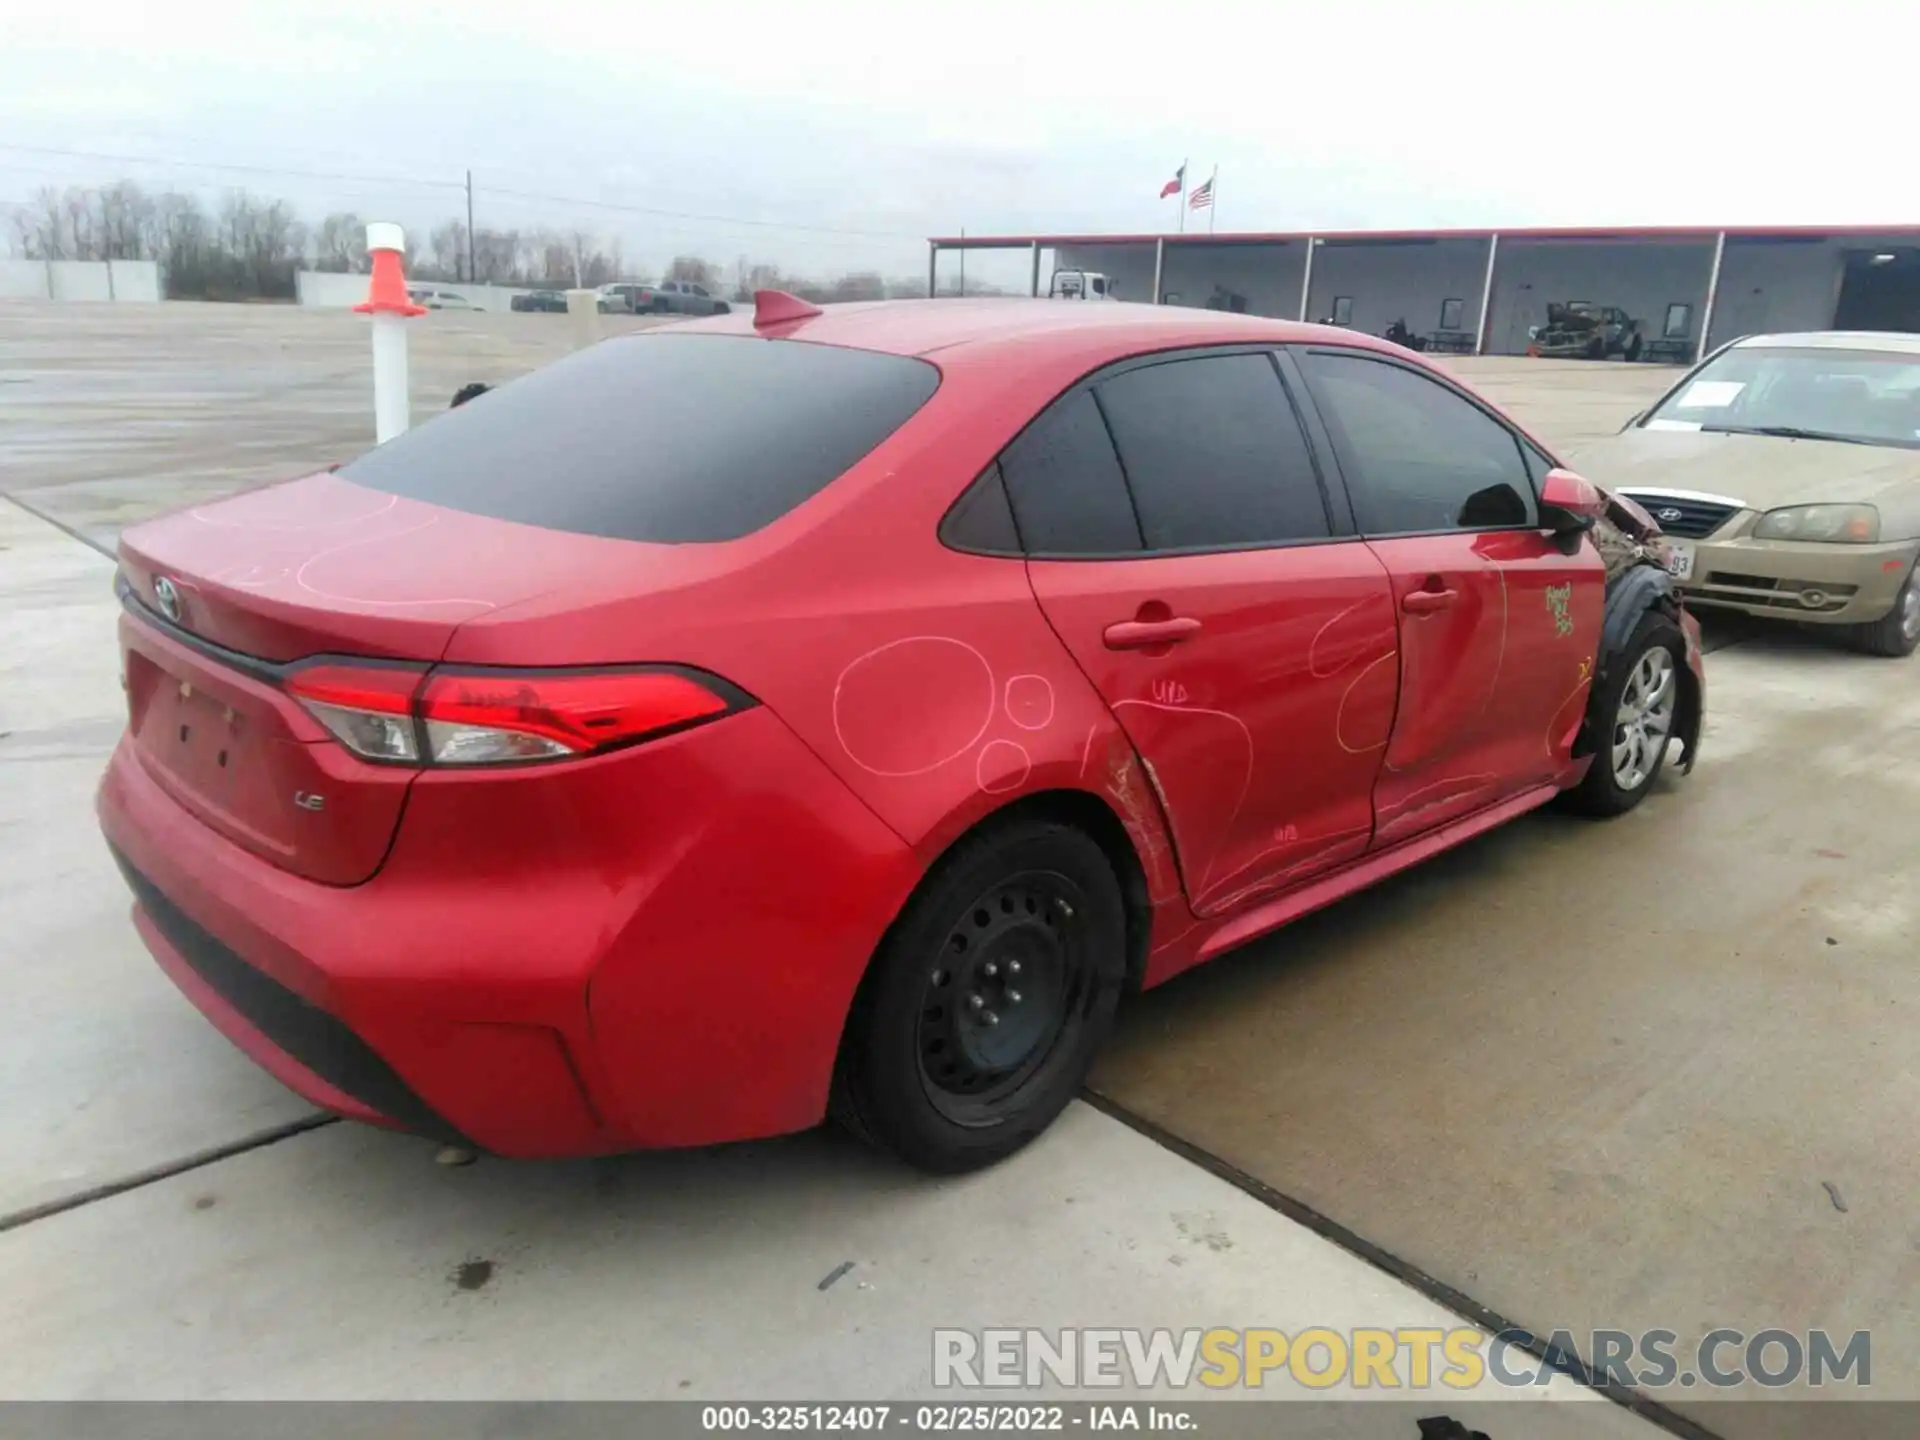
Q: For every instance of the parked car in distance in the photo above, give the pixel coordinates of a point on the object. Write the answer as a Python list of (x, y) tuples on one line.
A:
[(440, 299), (1788, 469), (552, 302), (618, 299), (856, 755), (1579, 330), (669, 297)]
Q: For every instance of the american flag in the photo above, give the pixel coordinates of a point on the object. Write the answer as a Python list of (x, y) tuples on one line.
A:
[(1202, 196)]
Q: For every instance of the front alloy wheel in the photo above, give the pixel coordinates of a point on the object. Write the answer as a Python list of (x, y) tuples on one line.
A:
[(1643, 722), (1631, 717)]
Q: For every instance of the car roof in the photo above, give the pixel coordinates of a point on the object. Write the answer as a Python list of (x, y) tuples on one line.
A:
[(1039, 332), (1890, 342)]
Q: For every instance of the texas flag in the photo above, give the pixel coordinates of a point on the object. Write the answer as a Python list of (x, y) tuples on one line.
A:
[(1177, 183)]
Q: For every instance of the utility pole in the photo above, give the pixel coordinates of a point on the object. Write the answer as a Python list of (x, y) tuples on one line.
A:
[(963, 262), (470, 274)]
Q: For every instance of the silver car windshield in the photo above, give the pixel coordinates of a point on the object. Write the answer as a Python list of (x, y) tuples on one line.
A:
[(1864, 396)]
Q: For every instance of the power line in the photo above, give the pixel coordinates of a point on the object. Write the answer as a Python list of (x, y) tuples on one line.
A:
[(687, 215), (573, 200), (280, 171)]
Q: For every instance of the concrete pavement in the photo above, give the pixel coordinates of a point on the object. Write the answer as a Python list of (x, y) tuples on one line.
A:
[(104, 1067)]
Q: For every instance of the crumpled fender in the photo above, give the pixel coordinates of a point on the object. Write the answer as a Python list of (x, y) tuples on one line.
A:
[(1630, 595)]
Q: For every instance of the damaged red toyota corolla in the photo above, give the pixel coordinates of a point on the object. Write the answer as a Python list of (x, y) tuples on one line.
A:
[(850, 726)]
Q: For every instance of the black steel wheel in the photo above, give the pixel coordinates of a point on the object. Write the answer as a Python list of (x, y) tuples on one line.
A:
[(984, 1007)]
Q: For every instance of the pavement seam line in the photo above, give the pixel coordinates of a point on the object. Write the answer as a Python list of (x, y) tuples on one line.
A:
[(154, 1174), (1432, 1287), (65, 529)]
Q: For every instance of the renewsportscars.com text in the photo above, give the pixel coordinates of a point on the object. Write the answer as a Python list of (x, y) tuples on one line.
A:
[(1398, 1359)]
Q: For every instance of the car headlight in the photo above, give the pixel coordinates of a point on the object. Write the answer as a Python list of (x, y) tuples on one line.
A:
[(1833, 524)]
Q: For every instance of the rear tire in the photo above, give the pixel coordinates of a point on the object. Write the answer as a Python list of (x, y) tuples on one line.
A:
[(1632, 716), (723, 308), (987, 1001), (1895, 634)]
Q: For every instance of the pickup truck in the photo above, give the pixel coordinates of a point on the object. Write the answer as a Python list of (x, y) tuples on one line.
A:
[(669, 297)]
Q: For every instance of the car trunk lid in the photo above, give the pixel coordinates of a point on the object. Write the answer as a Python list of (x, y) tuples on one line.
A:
[(229, 603)]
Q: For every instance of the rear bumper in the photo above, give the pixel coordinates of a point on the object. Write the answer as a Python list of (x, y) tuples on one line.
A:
[(1820, 584), (544, 967), (305, 1048)]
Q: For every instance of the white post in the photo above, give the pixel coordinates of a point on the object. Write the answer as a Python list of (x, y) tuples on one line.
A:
[(583, 313), (1159, 262), (1713, 294), (1486, 296), (1306, 278), (1034, 290), (392, 394), (389, 305)]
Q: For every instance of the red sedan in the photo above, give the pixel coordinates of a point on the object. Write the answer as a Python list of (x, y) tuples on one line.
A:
[(836, 713)]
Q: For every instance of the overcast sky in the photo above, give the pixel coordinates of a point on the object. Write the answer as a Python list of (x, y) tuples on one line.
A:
[(897, 121)]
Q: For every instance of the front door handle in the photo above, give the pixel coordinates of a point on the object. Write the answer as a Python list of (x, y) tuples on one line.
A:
[(1140, 634), (1425, 602)]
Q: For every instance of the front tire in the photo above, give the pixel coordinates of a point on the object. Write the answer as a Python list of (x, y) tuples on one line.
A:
[(987, 1001), (1897, 633), (1632, 717)]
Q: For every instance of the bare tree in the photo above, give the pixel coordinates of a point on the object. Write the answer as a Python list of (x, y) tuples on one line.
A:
[(249, 246), (124, 222), (694, 271), (862, 285), (446, 257), (40, 227), (340, 244)]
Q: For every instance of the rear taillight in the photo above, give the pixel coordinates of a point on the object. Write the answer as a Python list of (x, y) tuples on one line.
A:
[(493, 717), (367, 708)]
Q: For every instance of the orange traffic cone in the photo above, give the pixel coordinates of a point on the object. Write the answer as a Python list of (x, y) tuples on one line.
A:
[(387, 294)]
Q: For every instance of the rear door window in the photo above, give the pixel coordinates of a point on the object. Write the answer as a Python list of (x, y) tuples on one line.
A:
[(1064, 481), (661, 438), (1214, 454)]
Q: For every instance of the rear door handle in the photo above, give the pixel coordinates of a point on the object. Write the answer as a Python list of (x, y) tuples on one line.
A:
[(1139, 634), (1425, 602)]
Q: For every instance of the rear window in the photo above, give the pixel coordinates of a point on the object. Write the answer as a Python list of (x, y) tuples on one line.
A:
[(667, 439)]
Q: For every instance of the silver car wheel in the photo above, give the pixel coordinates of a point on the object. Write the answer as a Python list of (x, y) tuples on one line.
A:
[(1910, 611), (1644, 722)]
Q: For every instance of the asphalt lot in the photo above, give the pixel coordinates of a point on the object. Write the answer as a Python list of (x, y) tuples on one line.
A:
[(1585, 1075)]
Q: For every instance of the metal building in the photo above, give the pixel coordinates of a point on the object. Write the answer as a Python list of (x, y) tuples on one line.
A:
[(1483, 292)]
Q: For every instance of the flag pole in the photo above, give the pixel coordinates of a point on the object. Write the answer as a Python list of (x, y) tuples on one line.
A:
[(1213, 198), (1182, 201)]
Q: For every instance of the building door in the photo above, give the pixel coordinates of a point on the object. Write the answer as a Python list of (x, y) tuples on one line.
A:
[(1880, 293)]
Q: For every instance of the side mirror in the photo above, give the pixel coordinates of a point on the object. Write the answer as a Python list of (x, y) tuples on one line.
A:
[(1572, 502)]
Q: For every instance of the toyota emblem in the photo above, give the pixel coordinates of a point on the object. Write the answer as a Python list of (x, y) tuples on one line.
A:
[(167, 598), (1669, 514)]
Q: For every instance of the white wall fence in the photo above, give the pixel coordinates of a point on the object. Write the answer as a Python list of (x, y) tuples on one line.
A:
[(100, 280), (333, 291)]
